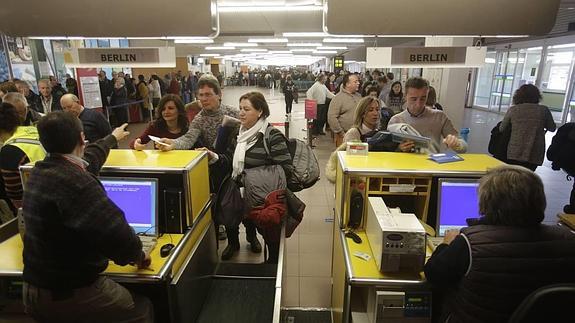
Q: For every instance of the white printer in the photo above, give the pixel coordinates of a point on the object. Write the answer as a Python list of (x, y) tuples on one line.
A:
[(397, 239)]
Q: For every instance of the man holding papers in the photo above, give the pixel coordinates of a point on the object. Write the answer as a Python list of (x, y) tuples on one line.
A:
[(428, 122)]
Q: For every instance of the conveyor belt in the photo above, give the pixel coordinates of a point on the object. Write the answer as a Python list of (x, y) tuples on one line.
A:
[(239, 300)]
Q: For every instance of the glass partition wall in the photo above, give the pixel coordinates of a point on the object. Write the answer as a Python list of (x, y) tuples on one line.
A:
[(505, 70)]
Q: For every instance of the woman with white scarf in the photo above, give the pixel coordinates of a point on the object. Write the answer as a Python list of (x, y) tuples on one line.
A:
[(246, 150)]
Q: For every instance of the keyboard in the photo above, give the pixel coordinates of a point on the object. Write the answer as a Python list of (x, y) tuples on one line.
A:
[(148, 243), (433, 242)]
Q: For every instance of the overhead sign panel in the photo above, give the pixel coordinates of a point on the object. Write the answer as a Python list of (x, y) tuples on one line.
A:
[(441, 17), (109, 18), (378, 57), (121, 57)]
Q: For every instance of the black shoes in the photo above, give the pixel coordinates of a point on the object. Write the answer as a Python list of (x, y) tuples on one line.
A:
[(255, 245), (230, 250), (222, 233)]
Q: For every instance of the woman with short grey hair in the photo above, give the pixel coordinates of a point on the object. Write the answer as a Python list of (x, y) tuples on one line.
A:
[(484, 272)]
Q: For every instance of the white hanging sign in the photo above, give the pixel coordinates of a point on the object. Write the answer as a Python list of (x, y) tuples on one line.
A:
[(436, 57), (121, 57)]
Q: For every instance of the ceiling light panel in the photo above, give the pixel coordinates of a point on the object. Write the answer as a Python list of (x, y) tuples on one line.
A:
[(241, 44), (325, 52), (267, 8), (329, 47), (304, 44), (194, 41), (253, 50), (267, 40), (343, 40), (219, 48)]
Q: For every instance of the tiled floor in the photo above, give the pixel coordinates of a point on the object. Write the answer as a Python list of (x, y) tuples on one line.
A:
[(309, 249)]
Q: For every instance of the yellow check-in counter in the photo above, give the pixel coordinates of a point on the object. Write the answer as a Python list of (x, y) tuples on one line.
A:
[(403, 180), (175, 284)]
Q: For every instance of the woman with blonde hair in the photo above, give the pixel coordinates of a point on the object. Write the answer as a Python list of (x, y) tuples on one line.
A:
[(365, 125)]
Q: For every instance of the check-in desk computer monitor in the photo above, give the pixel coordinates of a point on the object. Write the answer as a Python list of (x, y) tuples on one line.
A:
[(457, 202), (138, 198)]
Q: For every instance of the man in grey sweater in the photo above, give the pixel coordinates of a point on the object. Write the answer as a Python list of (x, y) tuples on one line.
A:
[(428, 122), (204, 128), (342, 107)]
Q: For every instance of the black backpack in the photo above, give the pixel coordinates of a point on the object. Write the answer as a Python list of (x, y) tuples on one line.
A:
[(562, 150), (499, 141)]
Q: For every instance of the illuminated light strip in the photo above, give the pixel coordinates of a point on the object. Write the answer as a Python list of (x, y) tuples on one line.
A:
[(252, 8)]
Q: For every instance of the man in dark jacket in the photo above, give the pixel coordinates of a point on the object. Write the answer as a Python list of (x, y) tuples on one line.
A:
[(57, 89), (32, 98), (47, 102), (72, 231), (106, 88), (94, 123)]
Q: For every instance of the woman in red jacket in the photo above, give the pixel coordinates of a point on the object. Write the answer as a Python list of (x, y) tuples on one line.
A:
[(171, 122)]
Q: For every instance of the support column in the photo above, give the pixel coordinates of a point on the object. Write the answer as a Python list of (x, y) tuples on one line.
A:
[(449, 83)]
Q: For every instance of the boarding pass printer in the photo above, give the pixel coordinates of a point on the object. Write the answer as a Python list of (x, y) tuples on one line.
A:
[(397, 239)]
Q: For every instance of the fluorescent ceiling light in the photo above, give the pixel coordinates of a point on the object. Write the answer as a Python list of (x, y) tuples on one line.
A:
[(251, 7), (562, 46), (330, 47), (308, 50), (280, 52), (267, 40), (241, 44), (219, 48), (321, 34), (209, 55), (325, 52), (306, 34), (304, 44), (194, 41), (253, 50), (343, 40), (348, 62)]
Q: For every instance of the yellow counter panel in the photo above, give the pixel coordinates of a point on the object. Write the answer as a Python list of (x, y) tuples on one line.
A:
[(128, 158), (12, 263), (388, 162)]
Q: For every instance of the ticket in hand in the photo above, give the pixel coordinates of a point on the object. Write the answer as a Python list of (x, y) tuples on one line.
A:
[(157, 140)]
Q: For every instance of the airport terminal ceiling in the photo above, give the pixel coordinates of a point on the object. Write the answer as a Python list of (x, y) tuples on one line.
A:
[(301, 26)]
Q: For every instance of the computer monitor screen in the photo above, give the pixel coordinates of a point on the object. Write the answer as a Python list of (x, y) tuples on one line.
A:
[(457, 202), (138, 198)]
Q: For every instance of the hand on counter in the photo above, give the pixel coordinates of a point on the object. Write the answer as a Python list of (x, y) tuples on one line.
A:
[(145, 262), (138, 145)]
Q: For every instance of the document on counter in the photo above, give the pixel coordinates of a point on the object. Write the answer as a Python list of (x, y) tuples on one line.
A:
[(446, 157)]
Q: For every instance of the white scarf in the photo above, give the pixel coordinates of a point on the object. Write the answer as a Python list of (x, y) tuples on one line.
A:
[(246, 139)]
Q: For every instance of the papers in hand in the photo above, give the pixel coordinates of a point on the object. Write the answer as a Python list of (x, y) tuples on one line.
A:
[(157, 140)]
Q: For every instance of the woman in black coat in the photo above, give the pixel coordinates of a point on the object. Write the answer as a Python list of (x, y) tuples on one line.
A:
[(288, 90)]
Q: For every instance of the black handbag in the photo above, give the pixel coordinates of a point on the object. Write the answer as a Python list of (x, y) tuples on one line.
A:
[(499, 141), (230, 206)]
